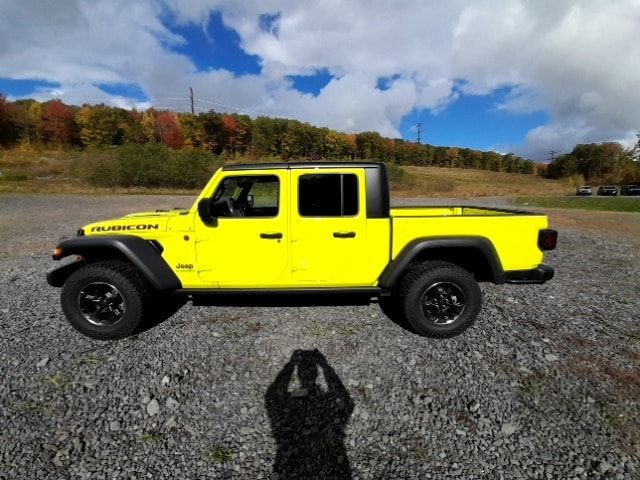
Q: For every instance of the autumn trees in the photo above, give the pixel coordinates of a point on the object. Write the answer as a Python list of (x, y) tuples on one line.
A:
[(8, 124), (607, 162), (54, 124)]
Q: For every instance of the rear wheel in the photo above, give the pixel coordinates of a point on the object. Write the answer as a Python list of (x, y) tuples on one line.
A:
[(439, 299), (105, 300)]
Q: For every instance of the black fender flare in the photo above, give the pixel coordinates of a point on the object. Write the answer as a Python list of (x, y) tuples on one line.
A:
[(139, 252), (399, 265)]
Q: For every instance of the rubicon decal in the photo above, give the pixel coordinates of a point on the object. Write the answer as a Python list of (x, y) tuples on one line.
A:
[(122, 228)]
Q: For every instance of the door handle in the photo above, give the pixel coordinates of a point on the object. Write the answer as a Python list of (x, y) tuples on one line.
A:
[(271, 235), (344, 234)]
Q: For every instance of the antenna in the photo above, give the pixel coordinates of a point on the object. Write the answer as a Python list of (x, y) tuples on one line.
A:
[(191, 98), (552, 155)]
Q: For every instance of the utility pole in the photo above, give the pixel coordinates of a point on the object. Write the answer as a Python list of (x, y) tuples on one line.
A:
[(193, 112), (552, 155), (418, 132)]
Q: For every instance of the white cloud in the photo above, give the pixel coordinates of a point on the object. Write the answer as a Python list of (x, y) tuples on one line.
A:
[(81, 93), (576, 60)]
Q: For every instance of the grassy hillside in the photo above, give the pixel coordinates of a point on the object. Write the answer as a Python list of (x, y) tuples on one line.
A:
[(460, 183), (62, 172)]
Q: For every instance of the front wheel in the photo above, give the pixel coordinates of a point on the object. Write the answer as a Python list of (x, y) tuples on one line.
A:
[(439, 299), (105, 300)]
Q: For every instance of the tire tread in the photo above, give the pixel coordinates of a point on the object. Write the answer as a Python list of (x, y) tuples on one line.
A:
[(124, 272), (414, 276)]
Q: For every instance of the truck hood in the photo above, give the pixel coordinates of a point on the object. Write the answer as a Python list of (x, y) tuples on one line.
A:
[(134, 222)]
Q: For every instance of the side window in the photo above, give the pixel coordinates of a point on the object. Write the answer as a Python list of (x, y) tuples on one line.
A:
[(247, 196), (328, 195)]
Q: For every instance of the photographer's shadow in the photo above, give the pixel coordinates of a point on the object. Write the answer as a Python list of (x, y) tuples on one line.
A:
[(308, 422)]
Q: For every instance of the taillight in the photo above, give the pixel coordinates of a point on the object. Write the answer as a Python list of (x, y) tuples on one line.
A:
[(547, 239)]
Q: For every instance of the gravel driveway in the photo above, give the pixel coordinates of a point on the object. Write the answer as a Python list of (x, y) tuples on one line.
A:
[(545, 385)]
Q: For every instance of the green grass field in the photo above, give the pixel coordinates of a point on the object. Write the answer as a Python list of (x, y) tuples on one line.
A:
[(468, 183), (607, 204), (62, 172)]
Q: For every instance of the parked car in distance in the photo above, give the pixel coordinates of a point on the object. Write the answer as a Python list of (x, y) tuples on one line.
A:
[(608, 190), (630, 190), (583, 190)]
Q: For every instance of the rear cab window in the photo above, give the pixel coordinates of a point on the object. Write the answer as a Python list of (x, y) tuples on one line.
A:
[(328, 195)]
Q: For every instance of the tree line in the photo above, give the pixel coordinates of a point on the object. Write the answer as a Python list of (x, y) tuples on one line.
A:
[(27, 123), (604, 163)]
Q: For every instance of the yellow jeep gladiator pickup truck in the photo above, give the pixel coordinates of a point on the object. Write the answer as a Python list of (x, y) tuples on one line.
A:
[(308, 230)]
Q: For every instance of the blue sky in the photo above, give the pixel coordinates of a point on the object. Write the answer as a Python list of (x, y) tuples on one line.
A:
[(512, 76), (213, 45), (21, 87), (473, 121)]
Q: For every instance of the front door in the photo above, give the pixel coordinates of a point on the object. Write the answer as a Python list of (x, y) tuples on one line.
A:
[(328, 227), (247, 244)]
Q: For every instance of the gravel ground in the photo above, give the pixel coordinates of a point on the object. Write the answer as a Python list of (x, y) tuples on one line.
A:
[(545, 385)]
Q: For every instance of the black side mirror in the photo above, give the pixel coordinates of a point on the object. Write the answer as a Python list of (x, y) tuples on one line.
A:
[(205, 207)]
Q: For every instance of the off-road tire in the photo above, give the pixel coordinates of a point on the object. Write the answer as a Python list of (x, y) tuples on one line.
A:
[(419, 283), (128, 283)]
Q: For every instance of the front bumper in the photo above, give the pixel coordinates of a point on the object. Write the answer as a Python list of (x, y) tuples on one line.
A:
[(540, 274)]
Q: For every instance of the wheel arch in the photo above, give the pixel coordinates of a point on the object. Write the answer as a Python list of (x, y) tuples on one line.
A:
[(475, 254), (141, 253)]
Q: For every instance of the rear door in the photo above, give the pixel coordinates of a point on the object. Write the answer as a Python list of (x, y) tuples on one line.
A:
[(328, 227)]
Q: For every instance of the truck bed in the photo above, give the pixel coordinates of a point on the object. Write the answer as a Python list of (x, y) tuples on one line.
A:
[(448, 211), (513, 233)]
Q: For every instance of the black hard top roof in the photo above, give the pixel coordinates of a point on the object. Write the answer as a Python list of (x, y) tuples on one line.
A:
[(292, 165)]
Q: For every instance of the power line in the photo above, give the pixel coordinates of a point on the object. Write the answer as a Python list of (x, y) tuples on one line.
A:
[(192, 104), (238, 109), (225, 106)]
